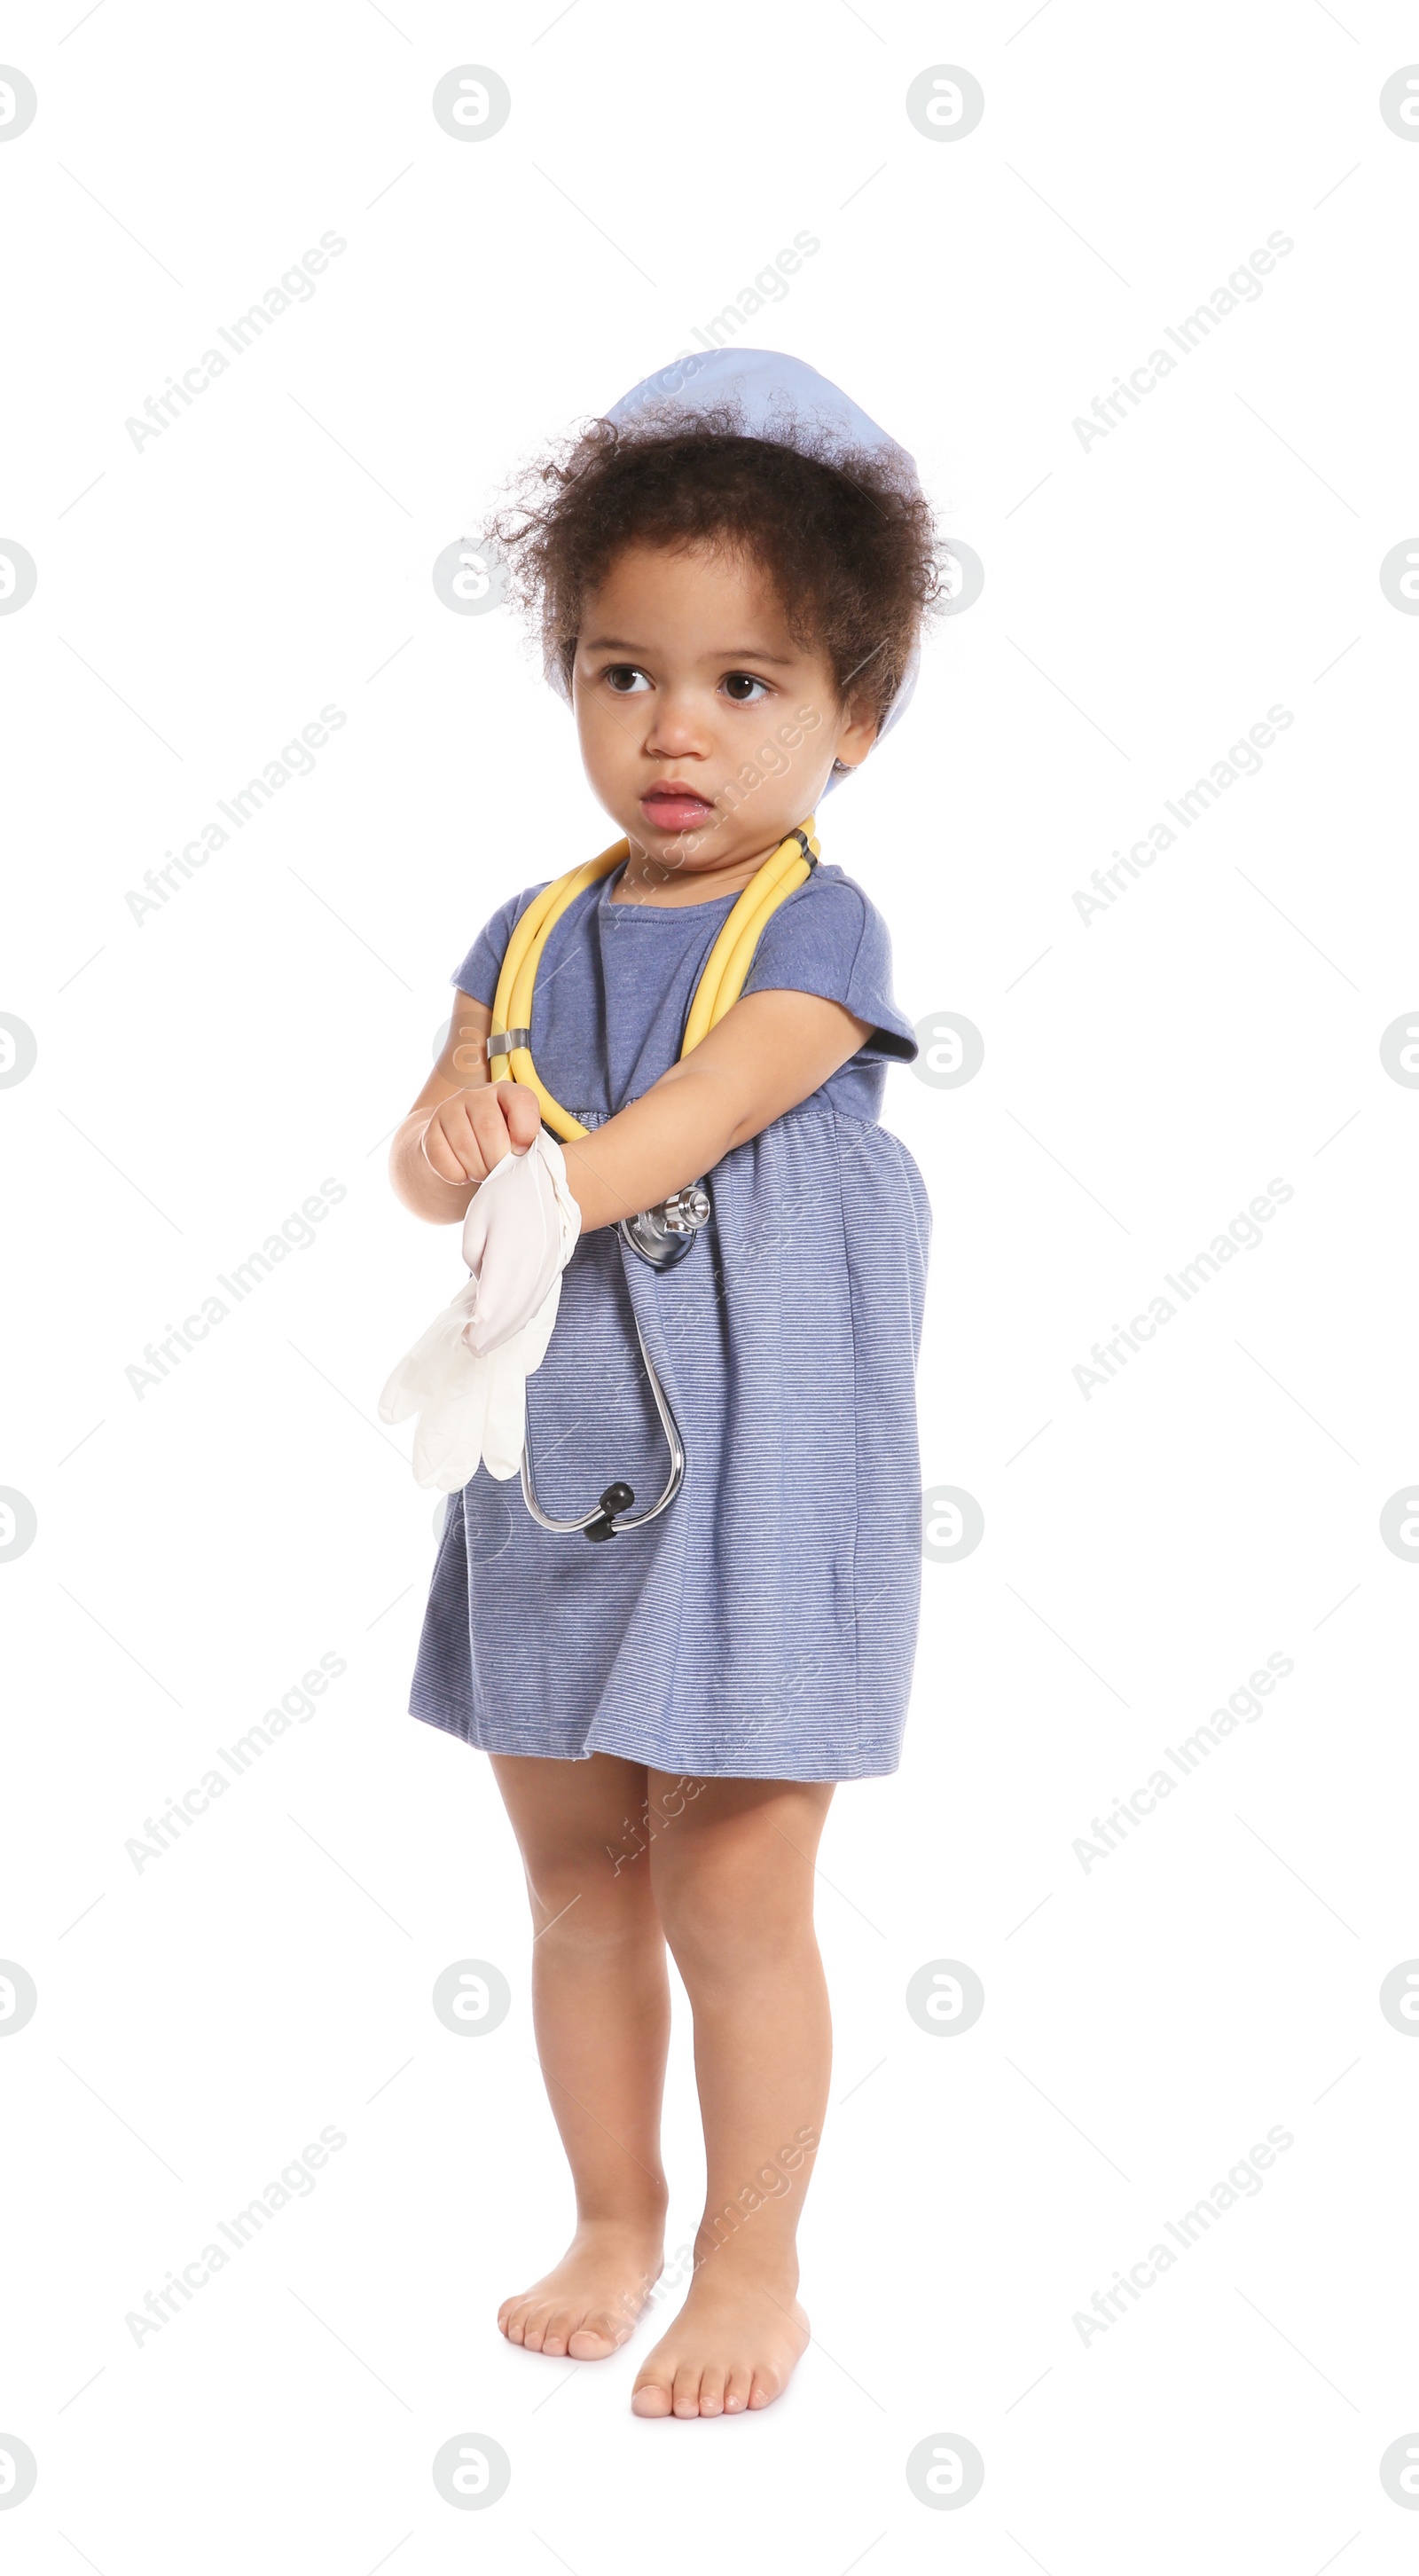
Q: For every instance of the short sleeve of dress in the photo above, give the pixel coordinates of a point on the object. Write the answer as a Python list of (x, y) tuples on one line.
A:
[(479, 972), (828, 939)]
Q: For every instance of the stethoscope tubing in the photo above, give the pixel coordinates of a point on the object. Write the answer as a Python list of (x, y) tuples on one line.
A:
[(617, 1525), (719, 986)]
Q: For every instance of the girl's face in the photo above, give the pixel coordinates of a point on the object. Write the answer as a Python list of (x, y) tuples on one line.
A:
[(706, 729)]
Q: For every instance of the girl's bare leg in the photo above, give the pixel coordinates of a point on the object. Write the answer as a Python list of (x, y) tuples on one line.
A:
[(733, 1873), (601, 2010)]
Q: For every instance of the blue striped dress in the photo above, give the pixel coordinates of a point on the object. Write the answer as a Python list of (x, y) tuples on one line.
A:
[(764, 1626)]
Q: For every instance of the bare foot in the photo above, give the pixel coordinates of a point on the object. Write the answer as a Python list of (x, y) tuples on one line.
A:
[(732, 2348), (588, 2303)]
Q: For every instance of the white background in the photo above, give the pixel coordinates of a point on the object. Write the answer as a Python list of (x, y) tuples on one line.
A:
[(1146, 1074)]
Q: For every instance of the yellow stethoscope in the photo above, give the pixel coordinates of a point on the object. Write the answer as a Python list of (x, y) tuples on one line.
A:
[(661, 1235)]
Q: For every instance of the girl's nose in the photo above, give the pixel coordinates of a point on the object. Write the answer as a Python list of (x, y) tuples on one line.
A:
[(677, 729)]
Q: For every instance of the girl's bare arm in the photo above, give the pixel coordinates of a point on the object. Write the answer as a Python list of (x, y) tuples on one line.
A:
[(767, 1053)]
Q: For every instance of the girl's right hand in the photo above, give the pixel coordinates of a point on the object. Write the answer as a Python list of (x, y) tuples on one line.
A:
[(472, 1130)]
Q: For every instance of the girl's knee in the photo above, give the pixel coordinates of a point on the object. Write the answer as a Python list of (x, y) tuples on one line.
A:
[(586, 1883)]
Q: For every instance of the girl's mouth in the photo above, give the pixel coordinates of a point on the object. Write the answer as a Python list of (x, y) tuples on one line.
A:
[(672, 808)]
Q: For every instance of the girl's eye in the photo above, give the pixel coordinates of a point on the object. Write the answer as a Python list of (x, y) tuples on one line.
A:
[(739, 684), (624, 678)]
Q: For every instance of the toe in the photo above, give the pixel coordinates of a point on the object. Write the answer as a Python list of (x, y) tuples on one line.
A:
[(736, 2389), (765, 2388), (512, 2317), (534, 2327), (712, 2391), (650, 2397), (594, 2337), (556, 2328), (686, 2394)]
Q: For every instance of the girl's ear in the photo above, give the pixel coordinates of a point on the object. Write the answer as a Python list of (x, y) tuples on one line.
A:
[(857, 734)]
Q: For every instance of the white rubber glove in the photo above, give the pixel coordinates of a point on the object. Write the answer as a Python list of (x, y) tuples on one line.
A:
[(518, 1236), (466, 1377)]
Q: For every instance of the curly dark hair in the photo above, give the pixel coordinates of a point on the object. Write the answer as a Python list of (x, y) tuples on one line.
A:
[(845, 536)]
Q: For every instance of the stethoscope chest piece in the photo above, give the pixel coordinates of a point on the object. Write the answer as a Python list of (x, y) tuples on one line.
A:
[(662, 1235)]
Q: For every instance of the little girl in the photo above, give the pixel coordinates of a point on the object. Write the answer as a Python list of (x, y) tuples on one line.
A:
[(730, 572)]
